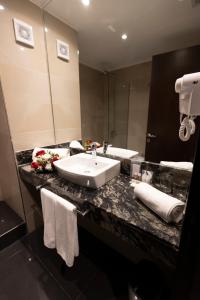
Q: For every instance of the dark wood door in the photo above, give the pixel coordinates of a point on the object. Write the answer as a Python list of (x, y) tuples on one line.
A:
[(163, 119)]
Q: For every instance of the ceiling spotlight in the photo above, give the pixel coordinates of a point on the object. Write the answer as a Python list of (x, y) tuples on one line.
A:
[(86, 2), (2, 7), (45, 29), (124, 36)]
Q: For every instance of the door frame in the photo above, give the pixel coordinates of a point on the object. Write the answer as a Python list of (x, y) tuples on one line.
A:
[(188, 265)]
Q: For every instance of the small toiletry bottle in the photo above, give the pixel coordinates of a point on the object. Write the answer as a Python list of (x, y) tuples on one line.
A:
[(137, 176), (147, 176), (105, 147), (135, 169)]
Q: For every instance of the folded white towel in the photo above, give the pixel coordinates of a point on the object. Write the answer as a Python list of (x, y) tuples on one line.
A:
[(184, 165), (48, 200), (168, 208), (66, 231), (60, 226), (62, 152), (76, 145)]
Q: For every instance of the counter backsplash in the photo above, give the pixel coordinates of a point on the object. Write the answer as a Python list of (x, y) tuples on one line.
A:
[(169, 180)]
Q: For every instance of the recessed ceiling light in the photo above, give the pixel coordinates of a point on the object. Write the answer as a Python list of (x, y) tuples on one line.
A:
[(45, 29), (86, 2), (124, 36), (2, 7)]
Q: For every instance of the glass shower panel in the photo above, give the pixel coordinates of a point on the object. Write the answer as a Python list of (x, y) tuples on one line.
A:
[(119, 92)]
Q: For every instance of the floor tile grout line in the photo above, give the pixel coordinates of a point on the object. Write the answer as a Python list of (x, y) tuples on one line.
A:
[(52, 275)]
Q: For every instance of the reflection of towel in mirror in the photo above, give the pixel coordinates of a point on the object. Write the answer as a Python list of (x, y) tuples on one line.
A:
[(62, 152), (76, 145), (184, 165), (167, 207), (60, 226)]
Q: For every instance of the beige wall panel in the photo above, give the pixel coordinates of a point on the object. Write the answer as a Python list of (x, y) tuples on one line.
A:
[(94, 106), (64, 78), (8, 172), (24, 75)]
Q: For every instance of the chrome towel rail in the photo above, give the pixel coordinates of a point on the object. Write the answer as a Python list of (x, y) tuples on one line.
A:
[(82, 213)]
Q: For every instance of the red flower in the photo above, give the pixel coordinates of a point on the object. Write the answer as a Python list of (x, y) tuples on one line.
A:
[(34, 165), (56, 157), (41, 152)]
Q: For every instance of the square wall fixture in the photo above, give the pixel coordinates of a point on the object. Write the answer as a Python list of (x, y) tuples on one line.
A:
[(62, 50), (23, 32)]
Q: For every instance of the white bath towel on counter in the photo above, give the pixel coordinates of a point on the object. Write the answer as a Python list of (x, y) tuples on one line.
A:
[(76, 145), (48, 200), (60, 226), (167, 207), (66, 231), (184, 165)]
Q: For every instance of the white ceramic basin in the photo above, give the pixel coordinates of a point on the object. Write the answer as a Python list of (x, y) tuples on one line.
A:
[(119, 152), (85, 170)]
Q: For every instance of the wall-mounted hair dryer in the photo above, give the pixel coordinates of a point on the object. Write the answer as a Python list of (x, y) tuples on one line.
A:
[(188, 88)]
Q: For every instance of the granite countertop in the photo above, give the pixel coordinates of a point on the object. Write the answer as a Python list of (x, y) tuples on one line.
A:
[(116, 198)]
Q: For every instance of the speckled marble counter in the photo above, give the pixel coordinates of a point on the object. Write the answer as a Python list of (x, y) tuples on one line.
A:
[(114, 207)]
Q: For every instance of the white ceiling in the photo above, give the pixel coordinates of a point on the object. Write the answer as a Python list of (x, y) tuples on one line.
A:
[(153, 27)]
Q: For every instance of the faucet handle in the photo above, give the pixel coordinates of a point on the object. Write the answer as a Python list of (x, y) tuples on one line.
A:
[(94, 146), (105, 146)]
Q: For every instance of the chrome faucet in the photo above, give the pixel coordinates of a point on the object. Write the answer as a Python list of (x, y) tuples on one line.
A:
[(105, 147), (94, 150)]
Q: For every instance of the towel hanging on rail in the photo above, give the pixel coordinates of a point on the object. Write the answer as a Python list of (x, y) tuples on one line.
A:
[(60, 226)]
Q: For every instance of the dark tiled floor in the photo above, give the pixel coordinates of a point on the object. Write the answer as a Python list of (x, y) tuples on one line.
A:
[(12, 227), (28, 270), (22, 277), (8, 218), (97, 273)]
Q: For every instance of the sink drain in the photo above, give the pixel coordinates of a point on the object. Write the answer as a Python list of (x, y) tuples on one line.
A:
[(87, 171)]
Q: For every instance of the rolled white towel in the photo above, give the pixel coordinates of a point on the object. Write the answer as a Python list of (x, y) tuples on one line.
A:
[(167, 207), (184, 165), (76, 145), (62, 152)]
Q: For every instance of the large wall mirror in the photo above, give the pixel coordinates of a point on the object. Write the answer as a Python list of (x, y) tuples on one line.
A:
[(63, 78), (127, 82)]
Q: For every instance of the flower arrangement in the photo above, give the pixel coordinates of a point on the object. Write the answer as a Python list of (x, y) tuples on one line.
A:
[(43, 161), (88, 145)]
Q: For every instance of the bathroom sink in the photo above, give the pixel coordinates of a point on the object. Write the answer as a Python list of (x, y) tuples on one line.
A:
[(119, 152), (86, 170)]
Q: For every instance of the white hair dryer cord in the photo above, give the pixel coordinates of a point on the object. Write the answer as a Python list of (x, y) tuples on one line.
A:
[(187, 128)]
